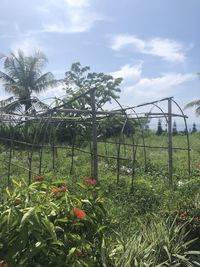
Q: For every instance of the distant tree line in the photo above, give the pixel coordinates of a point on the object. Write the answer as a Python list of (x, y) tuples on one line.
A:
[(175, 131)]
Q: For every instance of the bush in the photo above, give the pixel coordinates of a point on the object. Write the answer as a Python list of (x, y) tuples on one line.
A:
[(47, 225)]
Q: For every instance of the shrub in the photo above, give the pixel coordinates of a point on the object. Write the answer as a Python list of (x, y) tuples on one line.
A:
[(44, 225)]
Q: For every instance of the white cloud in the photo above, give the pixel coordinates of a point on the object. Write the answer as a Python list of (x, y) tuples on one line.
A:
[(128, 72), (121, 40), (166, 49), (141, 88), (67, 16), (160, 86), (78, 3), (27, 45), (131, 75), (37, 17)]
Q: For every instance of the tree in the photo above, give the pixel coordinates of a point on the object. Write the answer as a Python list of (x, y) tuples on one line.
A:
[(159, 128), (174, 129), (22, 77), (79, 80), (194, 128)]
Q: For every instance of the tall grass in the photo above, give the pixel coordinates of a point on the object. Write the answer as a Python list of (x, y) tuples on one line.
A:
[(159, 243)]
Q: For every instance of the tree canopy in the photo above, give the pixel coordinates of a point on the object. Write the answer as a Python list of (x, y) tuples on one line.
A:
[(79, 80), (22, 77)]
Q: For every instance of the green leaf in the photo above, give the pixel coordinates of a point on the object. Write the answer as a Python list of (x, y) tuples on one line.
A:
[(86, 201), (101, 228), (64, 220), (51, 228), (192, 252), (27, 215), (168, 253), (71, 252)]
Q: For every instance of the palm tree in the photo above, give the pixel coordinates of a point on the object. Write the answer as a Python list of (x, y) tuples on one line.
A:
[(195, 103), (22, 77)]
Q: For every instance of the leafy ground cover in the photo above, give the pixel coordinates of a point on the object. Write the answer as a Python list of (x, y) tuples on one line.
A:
[(59, 220)]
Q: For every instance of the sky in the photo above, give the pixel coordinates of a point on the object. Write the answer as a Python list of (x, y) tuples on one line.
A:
[(154, 45)]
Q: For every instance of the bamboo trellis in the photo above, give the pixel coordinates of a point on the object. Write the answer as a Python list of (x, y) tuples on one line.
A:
[(92, 117)]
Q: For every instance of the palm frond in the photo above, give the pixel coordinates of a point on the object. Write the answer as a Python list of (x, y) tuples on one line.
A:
[(2, 56), (5, 102), (193, 104), (13, 106), (34, 63), (44, 81), (39, 104), (6, 78), (197, 111)]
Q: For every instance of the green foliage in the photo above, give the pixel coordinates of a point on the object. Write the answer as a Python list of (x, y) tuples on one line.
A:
[(159, 243), (23, 76), (151, 194), (78, 80), (38, 226)]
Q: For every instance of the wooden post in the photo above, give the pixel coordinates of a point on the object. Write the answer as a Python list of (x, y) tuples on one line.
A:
[(53, 155), (40, 158), (53, 147), (30, 155), (10, 153), (118, 159), (9, 162), (94, 137), (170, 153), (72, 153)]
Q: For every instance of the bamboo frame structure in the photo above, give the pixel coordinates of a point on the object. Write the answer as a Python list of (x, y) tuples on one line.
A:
[(90, 118)]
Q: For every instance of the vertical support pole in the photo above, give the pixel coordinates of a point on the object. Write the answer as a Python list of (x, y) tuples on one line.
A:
[(118, 159), (30, 155), (10, 153), (53, 155), (40, 157), (72, 153), (94, 137), (53, 147), (9, 162), (170, 152), (91, 160)]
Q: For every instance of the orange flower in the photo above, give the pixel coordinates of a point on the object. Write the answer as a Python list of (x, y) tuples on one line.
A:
[(89, 181), (54, 190), (39, 178), (63, 189), (79, 213)]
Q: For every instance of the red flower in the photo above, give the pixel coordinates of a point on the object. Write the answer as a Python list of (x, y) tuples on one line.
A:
[(79, 213), (54, 190), (88, 181), (39, 178), (3, 264), (63, 189)]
